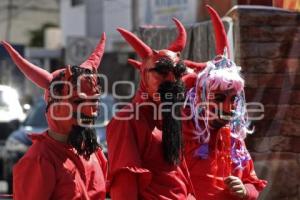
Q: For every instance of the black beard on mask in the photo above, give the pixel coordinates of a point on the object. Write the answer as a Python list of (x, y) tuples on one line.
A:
[(171, 92), (84, 140)]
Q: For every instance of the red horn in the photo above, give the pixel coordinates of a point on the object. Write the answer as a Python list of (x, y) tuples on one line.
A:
[(135, 63), (94, 60), (37, 75), (179, 44), (220, 33), (195, 65), (139, 46)]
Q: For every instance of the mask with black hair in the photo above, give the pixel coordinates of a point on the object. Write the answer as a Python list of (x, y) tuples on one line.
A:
[(168, 69), (65, 91), (171, 97), (82, 138)]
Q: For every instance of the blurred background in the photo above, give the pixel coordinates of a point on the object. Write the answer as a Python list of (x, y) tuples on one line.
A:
[(264, 36)]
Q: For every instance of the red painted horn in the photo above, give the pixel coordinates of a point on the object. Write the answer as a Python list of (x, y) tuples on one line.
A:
[(180, 42), (220, 33), (94, 59), (37, 75)]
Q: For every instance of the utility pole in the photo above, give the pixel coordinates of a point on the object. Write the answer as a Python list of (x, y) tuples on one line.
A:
[(135, 18)]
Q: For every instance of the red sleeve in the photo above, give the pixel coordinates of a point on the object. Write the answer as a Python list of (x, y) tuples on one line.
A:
[(125, 187), (33, 178), (103, 162), (127, 140), (253, 184)]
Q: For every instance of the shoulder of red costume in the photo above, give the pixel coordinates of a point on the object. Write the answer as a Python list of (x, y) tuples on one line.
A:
[(133, 111), (38, 150), (34, 137), (39, 143)]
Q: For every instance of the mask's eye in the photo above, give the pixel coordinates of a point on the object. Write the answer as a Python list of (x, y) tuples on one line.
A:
[(78, 101), (234, 99), (161, 70), (95, 100), (219, 98)]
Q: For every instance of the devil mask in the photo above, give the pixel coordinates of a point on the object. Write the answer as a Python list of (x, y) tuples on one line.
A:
[(71, 93), (166, 62), (218, 82), (161, 71)]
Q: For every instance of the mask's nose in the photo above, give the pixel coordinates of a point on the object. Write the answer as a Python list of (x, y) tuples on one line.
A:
[(227, 107), (169, 77), (90, 110)]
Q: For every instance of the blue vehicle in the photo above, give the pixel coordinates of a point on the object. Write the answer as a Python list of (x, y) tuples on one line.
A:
[(18, 141)]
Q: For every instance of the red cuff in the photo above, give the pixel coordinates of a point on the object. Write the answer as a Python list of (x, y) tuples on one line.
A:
[(144, 176), (252, 193)]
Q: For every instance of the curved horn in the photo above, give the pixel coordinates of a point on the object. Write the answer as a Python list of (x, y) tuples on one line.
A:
[(139, 46), (94, 60), (37, 75), (220, 33), (179, 44), (136, 64), (195, 65)]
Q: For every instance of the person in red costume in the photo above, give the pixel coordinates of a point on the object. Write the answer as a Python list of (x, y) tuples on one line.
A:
[(65, 162), (145, 150), (218, 161)]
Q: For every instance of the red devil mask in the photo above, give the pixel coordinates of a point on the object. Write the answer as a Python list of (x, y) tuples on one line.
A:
[(149, 81), (71, 93)]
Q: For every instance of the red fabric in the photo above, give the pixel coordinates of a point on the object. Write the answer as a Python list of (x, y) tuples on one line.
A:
[(52, 170), (135, 146), (127, 191), (222, 155), (201, 170)]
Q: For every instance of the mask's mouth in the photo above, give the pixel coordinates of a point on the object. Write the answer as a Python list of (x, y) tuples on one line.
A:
[(222, 120), (225, 117), (84, 119)]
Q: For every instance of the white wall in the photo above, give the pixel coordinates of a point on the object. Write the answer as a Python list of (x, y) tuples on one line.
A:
[(116, 14), (161, 11), (27, 16), (72, 20)]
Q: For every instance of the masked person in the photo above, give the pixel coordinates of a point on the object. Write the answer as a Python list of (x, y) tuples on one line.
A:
[(65, 162), (145, 150), (218, 161)]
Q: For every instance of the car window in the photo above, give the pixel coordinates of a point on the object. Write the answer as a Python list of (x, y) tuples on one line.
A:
[(36, 116)]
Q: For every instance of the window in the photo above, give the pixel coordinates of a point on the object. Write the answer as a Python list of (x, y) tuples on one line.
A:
[(76, 2)]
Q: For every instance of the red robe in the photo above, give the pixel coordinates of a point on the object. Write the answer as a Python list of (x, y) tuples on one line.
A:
[(202, 174), (52, 170), (135, 149)]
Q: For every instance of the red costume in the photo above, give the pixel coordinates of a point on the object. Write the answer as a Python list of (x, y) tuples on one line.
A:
[(137, 167), (135, 146), (52, 169), (202, 173), (214, 154)]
